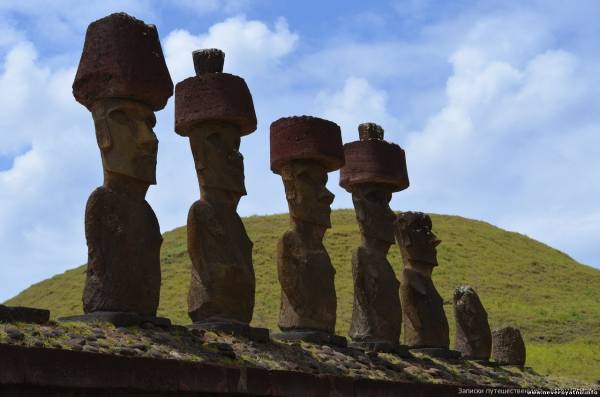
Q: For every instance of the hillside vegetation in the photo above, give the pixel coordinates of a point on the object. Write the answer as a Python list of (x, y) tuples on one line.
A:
[(554, 300)]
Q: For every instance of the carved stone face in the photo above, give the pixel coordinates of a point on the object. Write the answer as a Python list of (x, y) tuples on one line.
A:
[(127, 142), (372, 206), (219, 163), (306, 192), (416, 240)]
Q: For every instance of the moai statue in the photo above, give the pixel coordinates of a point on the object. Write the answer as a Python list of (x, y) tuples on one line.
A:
[(425, 323), (508, 347), (215, 110), (123, 79), (374, 169), (473, 336), (303, 150)]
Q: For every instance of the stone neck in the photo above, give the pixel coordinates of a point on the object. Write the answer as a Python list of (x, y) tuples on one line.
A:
[(220, 197), (375, 245), (311, 233), (125, 185), (424, 269)]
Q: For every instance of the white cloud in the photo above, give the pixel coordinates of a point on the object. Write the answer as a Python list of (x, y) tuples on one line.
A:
[(509, 145), (356, 102), (202, 7), (506, 130), (251, 47), (43, 194)]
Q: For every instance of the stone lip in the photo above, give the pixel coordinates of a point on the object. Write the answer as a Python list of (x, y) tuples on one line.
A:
[(122, 58), (306, 138), (374, 161), (23, 314), (214, 97)]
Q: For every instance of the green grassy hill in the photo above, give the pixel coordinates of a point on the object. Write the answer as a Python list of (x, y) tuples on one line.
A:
[(554, 300)]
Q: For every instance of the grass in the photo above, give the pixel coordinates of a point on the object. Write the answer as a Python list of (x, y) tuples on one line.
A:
[(554, 300)]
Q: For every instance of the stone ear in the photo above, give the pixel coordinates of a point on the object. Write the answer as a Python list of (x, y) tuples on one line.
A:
[(401, 238), (103, 136)]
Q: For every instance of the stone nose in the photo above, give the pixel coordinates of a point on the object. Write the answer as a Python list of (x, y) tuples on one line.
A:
[(147, 140), (326, 197)]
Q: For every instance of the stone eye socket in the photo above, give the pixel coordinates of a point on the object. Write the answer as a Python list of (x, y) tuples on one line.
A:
[(119, 116)]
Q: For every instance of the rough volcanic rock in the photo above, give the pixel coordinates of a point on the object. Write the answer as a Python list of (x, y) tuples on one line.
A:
[(122, 58), (508, 347), (306, 138), (473, 336), (123, 238), (425, 323)]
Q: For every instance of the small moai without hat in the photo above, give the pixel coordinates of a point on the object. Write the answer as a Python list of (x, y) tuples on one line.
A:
[(373, 170), (508, 347), (303, 150), (473, 337), (425, 323), (122, 79), (215, 109)]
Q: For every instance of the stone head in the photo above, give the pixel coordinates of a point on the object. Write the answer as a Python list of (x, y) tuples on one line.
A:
[(125, 136), (308, 198), (219, 163), (465, 299), (372, 205), (416, 240)]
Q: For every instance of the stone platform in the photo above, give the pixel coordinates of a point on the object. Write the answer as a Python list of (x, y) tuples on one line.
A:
[(382, 347), (23, 314), (311, 336), (118, 319), (438, 352), (234, 328)]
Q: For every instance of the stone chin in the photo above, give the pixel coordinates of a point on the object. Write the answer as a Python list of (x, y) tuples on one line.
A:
[(422, 260), (139, 168), (316, 216), (224, 182)]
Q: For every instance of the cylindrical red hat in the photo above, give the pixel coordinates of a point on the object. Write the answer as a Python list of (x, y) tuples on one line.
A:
[(122, 58), (373, 160), (213, 96), (306, 138)]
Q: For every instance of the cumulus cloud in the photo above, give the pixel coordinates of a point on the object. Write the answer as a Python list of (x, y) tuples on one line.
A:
[(43, 194), (356, 102), (251, 47), (496, 112), (207, 6), (508, 142)]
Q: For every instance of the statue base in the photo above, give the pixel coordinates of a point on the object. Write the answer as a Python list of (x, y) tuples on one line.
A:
[(10, 314), (312, 336), (438, 352), (382, 347), (234, 328), (481, 361), (119, 319)]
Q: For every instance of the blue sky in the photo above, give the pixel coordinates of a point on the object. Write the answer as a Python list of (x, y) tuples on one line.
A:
[(495, 103)]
